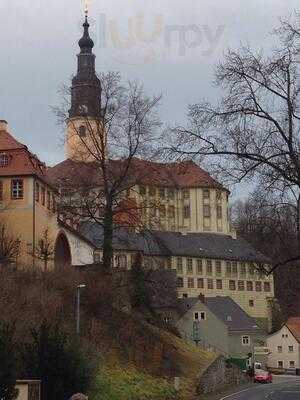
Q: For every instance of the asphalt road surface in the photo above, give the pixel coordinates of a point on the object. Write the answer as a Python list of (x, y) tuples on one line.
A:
[(283, 388)]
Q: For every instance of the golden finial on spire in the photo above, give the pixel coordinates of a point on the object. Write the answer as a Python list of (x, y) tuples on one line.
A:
[(86, 5)]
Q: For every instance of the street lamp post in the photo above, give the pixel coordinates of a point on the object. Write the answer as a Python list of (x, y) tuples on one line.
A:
[(79, 287)]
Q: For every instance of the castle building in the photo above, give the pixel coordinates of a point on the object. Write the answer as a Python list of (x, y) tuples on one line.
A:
[(181, 214), (180, 218)]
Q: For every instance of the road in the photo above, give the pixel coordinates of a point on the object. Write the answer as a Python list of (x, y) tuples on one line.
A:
[(283, 388)]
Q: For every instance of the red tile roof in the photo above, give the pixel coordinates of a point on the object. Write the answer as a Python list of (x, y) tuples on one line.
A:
[(293, 325), (8, 142), (22, 162), (186, 174)]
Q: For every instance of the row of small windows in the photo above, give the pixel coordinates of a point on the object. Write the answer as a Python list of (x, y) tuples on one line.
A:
[(16, 189), (169, 193), (186, 211), (44, 197), (218, 284), (281, 364), (199, 267)]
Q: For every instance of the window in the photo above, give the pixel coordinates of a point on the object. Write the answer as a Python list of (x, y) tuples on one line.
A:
[(218, 268), (219, 196), (43, 196), (246, 340), (243, 269), (186, 211), (199, 316), (219, 212), (292, 364), (199, 267), (250, 286), (171, 193), (186, 193), (54, 204), (228, 268), (171, 212), (208, 267), (17, 189), (162, 211), (219, 284), (200, 283), (229, 318), (191, 283), (206, 211), (258, 286), (280, 364), (48, 200), (190, 266), (206, 194), (142, 190), (179, 265), (251, 303), (251, 269), (279, 349), (210, 284), (267, 287), (180, 282), (291, 349), (37, 192), (241, 286), (162, 193), (4, 160), (121, 261), (97, 258), (185, 295), (1, 190), (152, 191), (232, 285), (234, 268)]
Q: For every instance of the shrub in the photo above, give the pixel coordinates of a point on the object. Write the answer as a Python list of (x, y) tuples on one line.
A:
[(57, 360)]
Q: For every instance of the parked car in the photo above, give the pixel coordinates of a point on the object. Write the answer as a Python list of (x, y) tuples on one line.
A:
[(261, 376)]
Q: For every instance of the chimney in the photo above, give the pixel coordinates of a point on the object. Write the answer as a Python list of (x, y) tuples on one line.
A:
[(3, 125), (201, 297)]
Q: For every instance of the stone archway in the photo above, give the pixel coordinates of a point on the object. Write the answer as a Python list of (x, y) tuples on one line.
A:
[(62, 252)]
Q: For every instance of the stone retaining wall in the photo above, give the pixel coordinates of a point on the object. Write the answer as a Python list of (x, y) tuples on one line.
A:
[(220, 374)]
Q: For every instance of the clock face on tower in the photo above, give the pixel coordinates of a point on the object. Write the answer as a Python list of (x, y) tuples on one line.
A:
[(83, 109)]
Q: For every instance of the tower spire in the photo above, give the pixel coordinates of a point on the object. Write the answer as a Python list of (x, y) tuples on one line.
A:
[(86, 87)]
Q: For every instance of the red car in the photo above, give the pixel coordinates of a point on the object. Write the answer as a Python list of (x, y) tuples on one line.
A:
[(261, 376)]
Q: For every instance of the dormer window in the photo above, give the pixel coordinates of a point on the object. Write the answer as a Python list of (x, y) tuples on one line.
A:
[(4, 160)]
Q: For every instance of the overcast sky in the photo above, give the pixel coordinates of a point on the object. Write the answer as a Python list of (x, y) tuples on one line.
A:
[(170, 45)]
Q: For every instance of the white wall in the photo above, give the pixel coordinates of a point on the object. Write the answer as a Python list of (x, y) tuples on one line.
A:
[(285, 339), (82, 252)]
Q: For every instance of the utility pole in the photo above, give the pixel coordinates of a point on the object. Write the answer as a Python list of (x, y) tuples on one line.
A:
[(79, 287)]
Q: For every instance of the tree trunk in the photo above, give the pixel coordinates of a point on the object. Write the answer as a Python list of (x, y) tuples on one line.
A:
[(298, 221), (108, 238)]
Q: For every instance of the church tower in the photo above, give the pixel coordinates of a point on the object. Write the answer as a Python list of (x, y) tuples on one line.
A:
[(84, 122)]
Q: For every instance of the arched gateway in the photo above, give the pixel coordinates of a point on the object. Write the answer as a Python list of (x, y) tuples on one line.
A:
[(62, 252)]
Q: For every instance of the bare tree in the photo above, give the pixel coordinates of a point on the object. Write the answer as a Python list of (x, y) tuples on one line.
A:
[(9, 247), (252, 132), (123, 129), (270, 225), (45, 249)]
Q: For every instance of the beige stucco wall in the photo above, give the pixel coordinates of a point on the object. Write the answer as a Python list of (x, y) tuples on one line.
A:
[(195, 199), (260, 299), (83, 148), (275, 340)]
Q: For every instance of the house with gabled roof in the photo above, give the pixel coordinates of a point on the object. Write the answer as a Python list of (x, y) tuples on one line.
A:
[(219, 324), (284, 346)]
